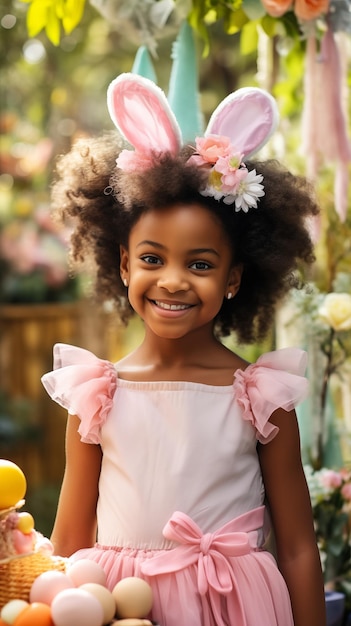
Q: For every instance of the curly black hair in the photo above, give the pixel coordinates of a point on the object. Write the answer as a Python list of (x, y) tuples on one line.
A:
[(271, 242)]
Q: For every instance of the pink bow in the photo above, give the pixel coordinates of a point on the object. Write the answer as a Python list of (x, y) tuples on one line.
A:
[(210, 550)]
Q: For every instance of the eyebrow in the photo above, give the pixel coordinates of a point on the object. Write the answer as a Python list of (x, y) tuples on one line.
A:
[(155, 244)]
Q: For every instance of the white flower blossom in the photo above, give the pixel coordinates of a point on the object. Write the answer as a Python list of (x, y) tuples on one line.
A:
[(248, 192), (244, 196)]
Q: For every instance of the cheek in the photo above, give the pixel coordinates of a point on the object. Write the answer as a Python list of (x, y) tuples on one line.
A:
[(138, 285), (212, 295)]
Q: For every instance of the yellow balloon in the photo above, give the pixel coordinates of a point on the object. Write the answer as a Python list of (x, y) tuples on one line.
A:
[(13, 484)]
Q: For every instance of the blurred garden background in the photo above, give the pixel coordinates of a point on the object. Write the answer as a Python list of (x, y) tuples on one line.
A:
[(57, 58)]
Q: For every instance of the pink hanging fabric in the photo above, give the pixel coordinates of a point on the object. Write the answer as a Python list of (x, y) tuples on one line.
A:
[(325, 135)]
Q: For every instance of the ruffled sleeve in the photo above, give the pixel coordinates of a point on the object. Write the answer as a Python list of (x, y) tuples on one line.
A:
[(84, 385), (275, 381)]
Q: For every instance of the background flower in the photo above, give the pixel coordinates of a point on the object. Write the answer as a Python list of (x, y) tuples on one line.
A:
[(303, 9), (331, 503), (310, 9), (335, 311), (34, 259), (277, 8), (320, 323)]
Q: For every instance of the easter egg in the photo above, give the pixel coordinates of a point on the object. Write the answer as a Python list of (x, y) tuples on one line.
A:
[(105, 598), (13, 484), (47, 585), (25, 522), (36, 614), (76, 607), (86, 571), (12, 609), (133, 597)]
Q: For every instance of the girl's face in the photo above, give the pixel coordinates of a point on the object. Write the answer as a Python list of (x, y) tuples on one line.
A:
[(179, 268)]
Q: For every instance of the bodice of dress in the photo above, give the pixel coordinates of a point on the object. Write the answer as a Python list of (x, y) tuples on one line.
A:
[(174, 446)]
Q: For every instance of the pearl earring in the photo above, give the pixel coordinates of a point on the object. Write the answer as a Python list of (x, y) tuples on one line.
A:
[(125, 282), (230, 295)]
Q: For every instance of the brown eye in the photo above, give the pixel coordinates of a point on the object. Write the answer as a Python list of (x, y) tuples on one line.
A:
[(200, 266), (150, 259)]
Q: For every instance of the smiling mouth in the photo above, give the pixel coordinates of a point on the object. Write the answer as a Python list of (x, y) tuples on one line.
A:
[(172, 307)]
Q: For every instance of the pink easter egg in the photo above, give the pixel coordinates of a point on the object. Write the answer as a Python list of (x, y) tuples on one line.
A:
[(47, 585), (86, 571), (76, 607)]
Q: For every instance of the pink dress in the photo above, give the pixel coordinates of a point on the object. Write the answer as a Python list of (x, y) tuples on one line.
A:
[(181, 497)]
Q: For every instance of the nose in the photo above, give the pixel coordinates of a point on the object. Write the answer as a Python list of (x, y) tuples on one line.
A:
[(173, 279)]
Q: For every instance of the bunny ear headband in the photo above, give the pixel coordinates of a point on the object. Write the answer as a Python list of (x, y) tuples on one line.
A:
[(240, 125)]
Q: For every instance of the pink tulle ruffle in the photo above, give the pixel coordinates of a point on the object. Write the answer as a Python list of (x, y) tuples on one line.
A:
[(84, 385), (275, 381)]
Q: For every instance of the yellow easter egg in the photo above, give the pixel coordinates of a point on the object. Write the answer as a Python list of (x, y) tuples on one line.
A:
[(13, 484), (25, 522)]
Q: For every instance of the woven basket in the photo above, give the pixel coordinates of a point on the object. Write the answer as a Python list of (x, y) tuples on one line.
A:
[(17, 574)]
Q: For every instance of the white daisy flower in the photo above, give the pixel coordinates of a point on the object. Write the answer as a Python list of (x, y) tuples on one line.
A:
[(248, 192)]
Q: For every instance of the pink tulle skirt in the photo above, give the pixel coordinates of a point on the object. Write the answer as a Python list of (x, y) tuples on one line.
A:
[(217, 579)]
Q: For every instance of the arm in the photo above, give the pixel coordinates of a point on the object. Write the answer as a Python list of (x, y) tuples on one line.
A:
[(75, 523), (289, 503)]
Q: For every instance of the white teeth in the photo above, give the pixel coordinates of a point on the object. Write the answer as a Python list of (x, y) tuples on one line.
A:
[(171, 307)]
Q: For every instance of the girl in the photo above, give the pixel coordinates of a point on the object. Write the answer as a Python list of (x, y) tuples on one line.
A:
[(176, 454)]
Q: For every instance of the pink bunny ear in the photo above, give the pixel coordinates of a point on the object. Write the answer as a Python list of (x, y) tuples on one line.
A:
[(248, 117), (141, 112)]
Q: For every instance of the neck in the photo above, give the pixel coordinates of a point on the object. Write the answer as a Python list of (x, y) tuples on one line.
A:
[(180, 350), (197, 357)]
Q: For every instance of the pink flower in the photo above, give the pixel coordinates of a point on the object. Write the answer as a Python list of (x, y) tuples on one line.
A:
[(277, 8), (304, 9), (330, 479), (210, 149), (346, 491), (345, 474), (43, 218), (134, 161), (19, 245), (310, 9), (231, 174)]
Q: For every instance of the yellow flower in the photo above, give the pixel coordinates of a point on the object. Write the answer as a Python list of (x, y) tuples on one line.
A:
[(336, 311), (49, 14), (215, 179)]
